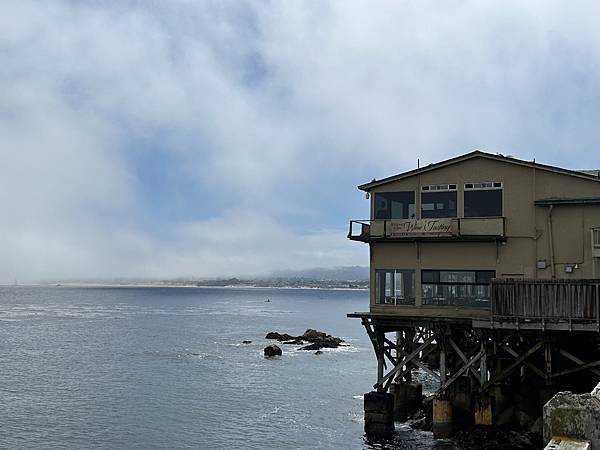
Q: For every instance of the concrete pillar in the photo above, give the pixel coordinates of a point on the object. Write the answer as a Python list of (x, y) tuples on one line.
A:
[(379, 413), (459, 394), (505, 406), (501, 401), (483, 411), (407, 399), (442, 418), (399, 393), (414, 396)]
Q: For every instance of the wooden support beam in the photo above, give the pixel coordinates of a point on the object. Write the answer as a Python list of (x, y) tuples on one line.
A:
[(530, 365), (518, 362), (376, 338), (576, 369), (408, 369), (388, 353), (576, 360), (414, 361), (404, 362), (380, 357), (442, 364), (548, 360), (463, 357), (370, 331), (462, 370), (483, 365)]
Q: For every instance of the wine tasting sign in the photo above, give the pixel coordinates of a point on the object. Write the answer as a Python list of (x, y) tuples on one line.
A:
[(421, 227)]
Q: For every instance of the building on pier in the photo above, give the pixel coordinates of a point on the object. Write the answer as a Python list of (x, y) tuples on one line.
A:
[(489, 265)]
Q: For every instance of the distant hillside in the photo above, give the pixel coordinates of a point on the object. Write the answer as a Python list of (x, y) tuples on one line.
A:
[(346, 273), (348, 277)]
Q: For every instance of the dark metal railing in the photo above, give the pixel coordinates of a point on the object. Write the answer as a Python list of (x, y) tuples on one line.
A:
[(546, 299)]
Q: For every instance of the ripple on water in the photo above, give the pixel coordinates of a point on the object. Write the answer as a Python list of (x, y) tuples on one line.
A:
[(173, 373)]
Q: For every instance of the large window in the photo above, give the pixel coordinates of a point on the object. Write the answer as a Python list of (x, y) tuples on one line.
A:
[(456, 288), (483, 199), (395, 205), (438, 201), (395, 287)]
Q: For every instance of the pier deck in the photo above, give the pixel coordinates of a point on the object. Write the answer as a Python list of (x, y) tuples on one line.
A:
[(538, 336)]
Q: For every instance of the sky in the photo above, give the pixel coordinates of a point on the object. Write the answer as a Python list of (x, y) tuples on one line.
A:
[(202, 138)]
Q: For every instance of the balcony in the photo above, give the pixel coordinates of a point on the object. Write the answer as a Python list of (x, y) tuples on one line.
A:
[(398, 230)]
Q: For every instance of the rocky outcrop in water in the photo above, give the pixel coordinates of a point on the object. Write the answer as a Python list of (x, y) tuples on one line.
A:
[(279, 337), (272, 350), (316, 339)]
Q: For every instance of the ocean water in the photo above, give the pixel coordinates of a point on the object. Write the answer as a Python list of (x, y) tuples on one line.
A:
[(143, 368)]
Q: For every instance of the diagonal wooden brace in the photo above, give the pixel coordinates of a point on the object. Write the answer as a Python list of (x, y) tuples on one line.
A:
[(405, 361)]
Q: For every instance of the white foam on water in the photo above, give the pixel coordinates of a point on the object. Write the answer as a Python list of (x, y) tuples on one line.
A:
[(356, 417)]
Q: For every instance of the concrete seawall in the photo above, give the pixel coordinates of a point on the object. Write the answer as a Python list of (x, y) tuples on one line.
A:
[(574, 416)]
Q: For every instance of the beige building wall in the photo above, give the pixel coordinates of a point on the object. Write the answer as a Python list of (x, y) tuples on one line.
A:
[(527, 227)]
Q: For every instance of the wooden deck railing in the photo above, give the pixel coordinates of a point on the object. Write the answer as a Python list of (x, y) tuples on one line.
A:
[(546, 299), (487, 228)]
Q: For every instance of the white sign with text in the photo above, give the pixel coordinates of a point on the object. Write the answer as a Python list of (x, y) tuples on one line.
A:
[(421, 227)]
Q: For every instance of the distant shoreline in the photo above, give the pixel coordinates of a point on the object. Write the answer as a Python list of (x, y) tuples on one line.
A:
[(186, 286)]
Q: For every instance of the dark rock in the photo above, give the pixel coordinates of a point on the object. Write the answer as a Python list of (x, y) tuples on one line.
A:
[(311, 347), (272, 350), (280, 337), (246, 342), (496, 438), (311, 335), (422, 419), (318, 345), (537, 426), (317, 339), (318, 352)]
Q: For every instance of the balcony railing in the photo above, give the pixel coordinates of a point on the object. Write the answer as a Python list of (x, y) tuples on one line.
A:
[(407, 229), (546, 300)]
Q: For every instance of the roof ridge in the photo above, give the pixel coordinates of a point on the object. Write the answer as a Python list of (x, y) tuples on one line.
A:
[(473, 154)]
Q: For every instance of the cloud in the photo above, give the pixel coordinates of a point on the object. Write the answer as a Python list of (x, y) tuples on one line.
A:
[(227, 137)]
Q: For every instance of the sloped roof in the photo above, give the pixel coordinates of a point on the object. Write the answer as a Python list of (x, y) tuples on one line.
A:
[(593, 172), (586, 174)]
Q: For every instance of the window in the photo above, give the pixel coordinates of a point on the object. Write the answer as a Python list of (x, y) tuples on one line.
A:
[(439, 187), (395, 287), (483, 199), (395, 205), (438, 201), (456, 288)]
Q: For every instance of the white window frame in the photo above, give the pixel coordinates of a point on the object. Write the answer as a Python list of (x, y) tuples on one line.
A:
[(444, 187), (484, 185)]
